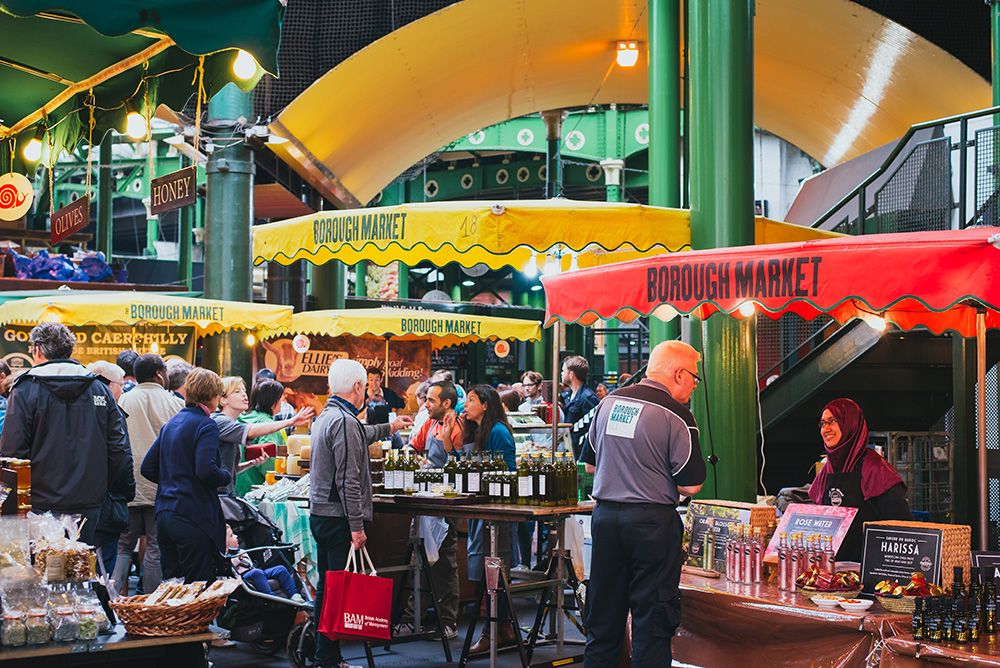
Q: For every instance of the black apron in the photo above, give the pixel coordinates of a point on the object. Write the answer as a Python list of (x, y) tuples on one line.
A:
[(844, 490)]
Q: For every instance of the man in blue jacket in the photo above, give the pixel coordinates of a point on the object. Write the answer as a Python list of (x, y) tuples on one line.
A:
[(65, 420)]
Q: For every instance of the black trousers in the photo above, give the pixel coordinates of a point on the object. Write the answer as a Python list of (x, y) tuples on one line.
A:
[(635, 565), (333, 543), (186, 551)]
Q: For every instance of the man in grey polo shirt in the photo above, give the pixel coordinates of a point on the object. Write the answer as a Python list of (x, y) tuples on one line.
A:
[(644, 455)]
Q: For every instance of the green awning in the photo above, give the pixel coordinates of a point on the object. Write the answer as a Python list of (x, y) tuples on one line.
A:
[(50, 60)]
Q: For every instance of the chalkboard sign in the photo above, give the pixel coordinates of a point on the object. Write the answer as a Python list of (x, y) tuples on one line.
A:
[(811, 520), (724, 518), (986, 560), (895, 553)]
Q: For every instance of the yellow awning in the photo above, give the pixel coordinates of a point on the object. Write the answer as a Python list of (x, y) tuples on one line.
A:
[(207, 316), (444, 329), (492, 233)]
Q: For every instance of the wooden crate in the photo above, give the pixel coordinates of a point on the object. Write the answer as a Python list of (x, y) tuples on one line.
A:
[(956, 546)]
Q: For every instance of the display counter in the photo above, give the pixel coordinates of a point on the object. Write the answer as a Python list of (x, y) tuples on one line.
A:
[(119, 649), (767, 627), (903, 652)]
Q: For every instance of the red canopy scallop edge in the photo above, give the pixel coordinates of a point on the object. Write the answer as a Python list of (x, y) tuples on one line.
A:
[(931, 279)]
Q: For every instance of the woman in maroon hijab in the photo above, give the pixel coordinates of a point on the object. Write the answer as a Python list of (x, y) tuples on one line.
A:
[(856, 476)]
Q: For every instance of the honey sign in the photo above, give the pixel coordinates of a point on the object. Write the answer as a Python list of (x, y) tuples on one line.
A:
[(173, 191)]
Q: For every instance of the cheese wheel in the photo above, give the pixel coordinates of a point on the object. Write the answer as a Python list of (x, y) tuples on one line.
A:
[(295, 443), (304, 452), (293, 465)]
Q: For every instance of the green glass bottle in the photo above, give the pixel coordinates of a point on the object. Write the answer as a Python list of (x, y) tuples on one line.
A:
[(389, 473), (409, 470), (549, 489), (450, 470), (475, 474), (525, 484), (463, 474)]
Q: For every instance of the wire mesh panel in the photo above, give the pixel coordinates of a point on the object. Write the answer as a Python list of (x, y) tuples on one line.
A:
[(987, 177), (779, 342), (918, 196), (924, 460)]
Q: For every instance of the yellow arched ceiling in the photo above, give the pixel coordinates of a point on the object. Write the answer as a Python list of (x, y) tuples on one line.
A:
[(831, 77)]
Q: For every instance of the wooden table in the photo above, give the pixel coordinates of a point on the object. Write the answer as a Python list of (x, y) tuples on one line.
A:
[(117, 650), (492, 514)]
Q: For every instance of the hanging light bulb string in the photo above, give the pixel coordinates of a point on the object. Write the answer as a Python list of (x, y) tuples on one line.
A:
[(90, 101)]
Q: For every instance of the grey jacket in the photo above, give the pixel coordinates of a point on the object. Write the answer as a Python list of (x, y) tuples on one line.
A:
[(340, 480)]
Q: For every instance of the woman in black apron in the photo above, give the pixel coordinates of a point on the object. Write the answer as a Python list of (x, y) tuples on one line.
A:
[(856, 476)]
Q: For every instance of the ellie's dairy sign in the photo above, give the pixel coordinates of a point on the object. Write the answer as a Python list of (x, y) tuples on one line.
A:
[(173, 191)]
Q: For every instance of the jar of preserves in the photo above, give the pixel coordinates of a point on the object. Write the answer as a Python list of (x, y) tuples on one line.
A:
[(37, 627), (86, 622), (12, 632), (65, 626)]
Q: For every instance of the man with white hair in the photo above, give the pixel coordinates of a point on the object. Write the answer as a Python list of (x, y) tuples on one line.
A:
[(644, 457), (340, 482), (66, 421)]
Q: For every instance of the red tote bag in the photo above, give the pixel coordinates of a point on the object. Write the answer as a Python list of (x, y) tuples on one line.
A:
[(356, 605)]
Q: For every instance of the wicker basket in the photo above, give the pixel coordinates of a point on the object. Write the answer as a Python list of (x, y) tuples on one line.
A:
[(956, 547), (901, 605), (166, 620)]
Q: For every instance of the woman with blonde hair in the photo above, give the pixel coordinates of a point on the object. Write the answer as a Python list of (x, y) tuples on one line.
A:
[(234, 435)]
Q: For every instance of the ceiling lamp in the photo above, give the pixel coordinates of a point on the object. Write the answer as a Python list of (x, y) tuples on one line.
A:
[(628, 53)]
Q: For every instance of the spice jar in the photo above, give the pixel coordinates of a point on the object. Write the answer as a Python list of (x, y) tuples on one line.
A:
[(12, 632), (37, 626), (65, 628), (86, 623)]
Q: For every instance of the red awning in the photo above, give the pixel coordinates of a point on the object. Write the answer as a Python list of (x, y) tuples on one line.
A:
[(933, 279)]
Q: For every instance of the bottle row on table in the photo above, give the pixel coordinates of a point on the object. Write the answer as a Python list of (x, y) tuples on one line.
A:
[(536, 481), (962, 616)]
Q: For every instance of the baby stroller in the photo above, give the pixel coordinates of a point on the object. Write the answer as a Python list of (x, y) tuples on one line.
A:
[(269, 623)]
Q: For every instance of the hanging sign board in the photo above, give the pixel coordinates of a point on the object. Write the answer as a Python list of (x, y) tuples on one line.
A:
[(173, 191), (70, 219), (104, 342), (16, 196), (811, 520), (895, 553)]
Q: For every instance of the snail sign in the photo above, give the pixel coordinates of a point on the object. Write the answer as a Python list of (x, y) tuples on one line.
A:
[(16, 196)]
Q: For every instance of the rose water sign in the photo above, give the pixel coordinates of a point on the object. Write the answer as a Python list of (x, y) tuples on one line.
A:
[(811, 520)]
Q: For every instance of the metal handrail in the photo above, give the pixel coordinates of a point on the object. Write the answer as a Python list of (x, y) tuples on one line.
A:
[(858, 191), (795, 352)]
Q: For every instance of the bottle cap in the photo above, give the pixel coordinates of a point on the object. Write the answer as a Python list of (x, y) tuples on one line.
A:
[(958, 574), (990, 574), (974, 574), (919, 603)]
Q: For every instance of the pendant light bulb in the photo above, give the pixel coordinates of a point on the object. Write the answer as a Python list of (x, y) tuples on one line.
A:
[(251, 340), (154, 347), (747, 309), (551, 267), (244, 67), (33, 149), (531, 268), (135, 124)]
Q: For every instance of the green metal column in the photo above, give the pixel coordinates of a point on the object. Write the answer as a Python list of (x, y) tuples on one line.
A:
[(722, 215), (105, 196), (612, 183), (404, 281), (360, 276), (185, 272), (454, 281), (329, 284), (664, 125), (229, 216), (995, 33), (553, 166)]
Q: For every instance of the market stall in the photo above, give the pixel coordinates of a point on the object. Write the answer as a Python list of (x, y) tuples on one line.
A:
[(940, 280), (402, 338), (107, 322)]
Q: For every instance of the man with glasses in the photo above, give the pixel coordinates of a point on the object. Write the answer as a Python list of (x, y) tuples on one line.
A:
[(65, 420), (645, 456), (532, 383)]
